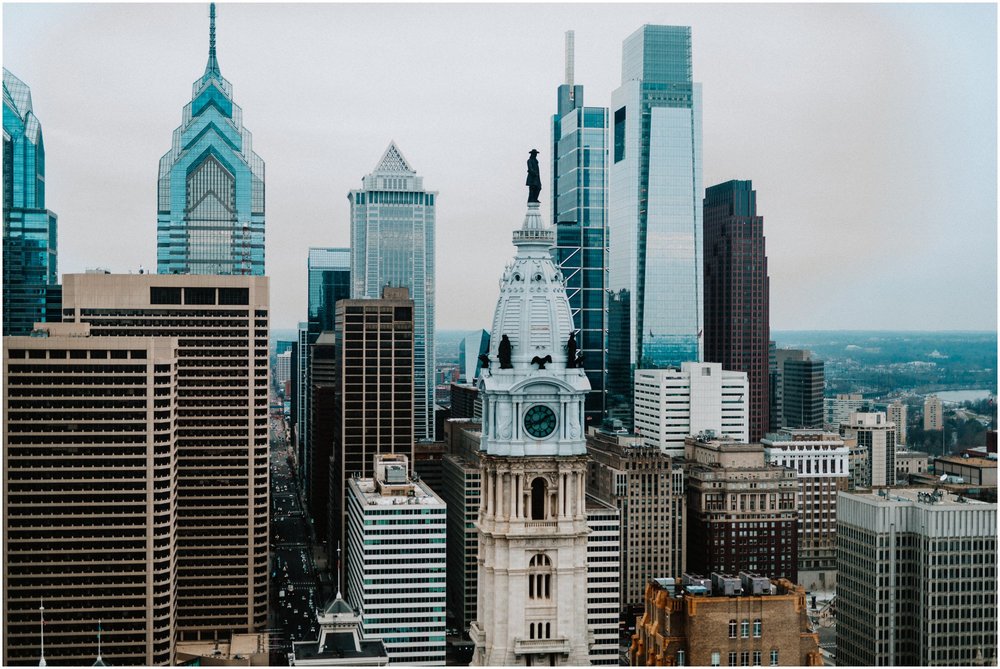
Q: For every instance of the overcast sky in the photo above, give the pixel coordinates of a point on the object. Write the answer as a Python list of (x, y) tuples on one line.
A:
[(869, 131)]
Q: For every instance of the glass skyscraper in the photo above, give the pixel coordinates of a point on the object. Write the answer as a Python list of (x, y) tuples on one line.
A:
[(579, 215), (654, 212), (30, 293), (392, 244), (210, 212)]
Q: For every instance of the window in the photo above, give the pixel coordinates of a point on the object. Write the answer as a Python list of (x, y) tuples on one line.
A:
[(540, 577), (619, 134), (745, 658), (745, 628), (774, 657), (732, 658), (756, 658), (162, 295), (234, 296), (538, 494), (716, 658), (732, 629), (680, 658), (756, 628)]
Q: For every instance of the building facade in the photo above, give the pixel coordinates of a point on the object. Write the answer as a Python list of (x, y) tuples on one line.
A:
[(373, 401), (737, 289), (838, 409), (603, 585), (392, 244), (917, 574), (655, 308), (470, 348), (897, 413), (724, 621), (742, 513), (322, 434), (821, 461), (221, 323), (672, 404), (579, 214), (91, 422), (933, 414), (396, 561), (532, 520), (876, 436), (210, 191), (30, 292), (461, 491), (647, 487), (802, 393)]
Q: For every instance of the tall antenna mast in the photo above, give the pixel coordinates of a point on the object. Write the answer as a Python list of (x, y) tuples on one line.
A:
[(338, 570), (99, 641), (570, 40), (41, 612)]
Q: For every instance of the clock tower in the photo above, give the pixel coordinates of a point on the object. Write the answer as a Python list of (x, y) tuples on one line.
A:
[(532, 607)]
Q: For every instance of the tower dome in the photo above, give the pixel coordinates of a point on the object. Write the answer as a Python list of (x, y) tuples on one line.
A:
[(533, 309)]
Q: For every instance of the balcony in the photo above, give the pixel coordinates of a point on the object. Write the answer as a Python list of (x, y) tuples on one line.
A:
[(541, 646)]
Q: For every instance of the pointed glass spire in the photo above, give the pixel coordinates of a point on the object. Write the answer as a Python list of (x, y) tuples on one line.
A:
[(212, 67)]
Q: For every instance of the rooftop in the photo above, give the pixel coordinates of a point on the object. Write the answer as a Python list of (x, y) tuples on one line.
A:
[(932, 496)]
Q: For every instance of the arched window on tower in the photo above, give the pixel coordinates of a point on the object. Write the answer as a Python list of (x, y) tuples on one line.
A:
[(539, 577), (539, 491)]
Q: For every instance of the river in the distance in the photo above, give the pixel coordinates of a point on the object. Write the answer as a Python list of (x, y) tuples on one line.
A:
[(959, 396)]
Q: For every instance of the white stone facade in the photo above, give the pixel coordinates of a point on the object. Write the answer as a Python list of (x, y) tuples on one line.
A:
[(672, 404)]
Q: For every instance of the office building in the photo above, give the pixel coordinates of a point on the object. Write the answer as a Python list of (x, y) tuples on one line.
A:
[(773, 376), (876, 436), (912, 463), (603, 564), (654, 212), (820, 459), (897, 413), (838, 409), (737, 289), (470, 348), (579, 214), (392, 244), (917, 575), (742, 620), (301, 407), (340, 642), (933, 414), (210, 191), (329, 282), (396, 562), (971, 470), (647, 487), (802, 393), (30, 291), (672, 404), (465, 402), (461, 491), (533, 458), (283, 369), (222, 443), (742, 512), (90, 505), (322, 434), (373, 401)]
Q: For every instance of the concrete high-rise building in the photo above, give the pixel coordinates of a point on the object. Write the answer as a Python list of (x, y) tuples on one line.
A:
[(933, 414), (821, 461), (742, 512), (603, 564), (579, 214), (533, 456), (742, 620), (655, 308), (30, 291), (392, 244), (373, 401), (917, 575), (897, 413), (283, 369), (838, 410), (647, 487), (210, 192), (461, 491), (802, 393), (396, 562), (876, 436), (221, 323), (737, 289), (671, 404), (90, 457)]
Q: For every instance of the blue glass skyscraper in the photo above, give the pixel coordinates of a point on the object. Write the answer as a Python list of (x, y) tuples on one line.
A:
[(210, 213), (29, 229), (655, 212), (579, 214), (392, 244)]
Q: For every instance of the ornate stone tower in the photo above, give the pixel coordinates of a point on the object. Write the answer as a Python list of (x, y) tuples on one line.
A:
[(532, 606)]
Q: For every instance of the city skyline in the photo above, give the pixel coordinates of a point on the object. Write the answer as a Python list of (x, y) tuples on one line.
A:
[(868, 184)]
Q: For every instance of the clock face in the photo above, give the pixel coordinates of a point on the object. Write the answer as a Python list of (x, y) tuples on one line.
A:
[(540, 421)]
